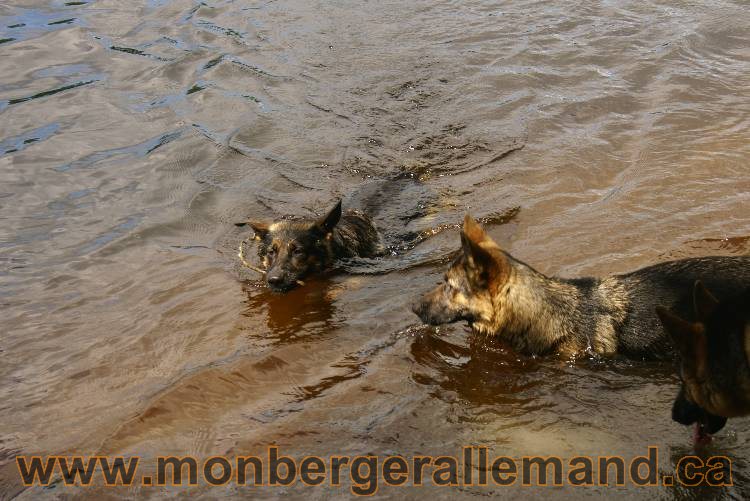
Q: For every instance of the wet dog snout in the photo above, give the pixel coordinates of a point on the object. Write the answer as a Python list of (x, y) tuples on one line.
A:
[(275, 280)]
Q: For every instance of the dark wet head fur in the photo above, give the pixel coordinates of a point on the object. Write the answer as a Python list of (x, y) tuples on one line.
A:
[(713, 359), (290, 251)]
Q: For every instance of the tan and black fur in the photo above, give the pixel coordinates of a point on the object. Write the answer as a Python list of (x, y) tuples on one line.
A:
[(501, 296), (292, 250), (714, 352)]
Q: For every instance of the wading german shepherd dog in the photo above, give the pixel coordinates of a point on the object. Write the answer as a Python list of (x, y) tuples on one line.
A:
[(290, 250), (714, 353), (499, 295)]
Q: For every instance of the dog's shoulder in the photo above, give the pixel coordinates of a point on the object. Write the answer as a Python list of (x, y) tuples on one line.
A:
[(356, 235)]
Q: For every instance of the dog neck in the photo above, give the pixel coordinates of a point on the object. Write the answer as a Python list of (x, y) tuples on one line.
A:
[(536, 314)]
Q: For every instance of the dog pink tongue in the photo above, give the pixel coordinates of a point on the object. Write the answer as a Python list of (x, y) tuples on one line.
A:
[(700, 437)]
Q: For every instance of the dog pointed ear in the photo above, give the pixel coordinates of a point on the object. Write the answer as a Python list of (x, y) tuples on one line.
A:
[(487, 265), (679, 330), (689, 339), (684, 334), (326, 223), (472, 231), (703, 301), (260, 229)]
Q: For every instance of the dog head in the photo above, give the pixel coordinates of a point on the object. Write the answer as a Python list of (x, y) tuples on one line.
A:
[(709, 359), (291, 250), (470, 285)]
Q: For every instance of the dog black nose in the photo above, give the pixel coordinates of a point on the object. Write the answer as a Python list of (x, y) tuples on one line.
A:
[(275, 280)]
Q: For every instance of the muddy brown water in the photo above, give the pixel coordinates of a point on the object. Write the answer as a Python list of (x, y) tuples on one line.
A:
[(593, 137)]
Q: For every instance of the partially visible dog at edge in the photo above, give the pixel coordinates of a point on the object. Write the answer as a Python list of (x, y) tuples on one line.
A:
[(291, 250), (501, 296), (714, 352)]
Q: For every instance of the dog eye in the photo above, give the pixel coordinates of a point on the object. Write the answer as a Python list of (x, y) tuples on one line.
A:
[(298, 252)]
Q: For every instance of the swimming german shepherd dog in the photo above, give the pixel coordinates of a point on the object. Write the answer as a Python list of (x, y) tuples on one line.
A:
[(714, 360), (499, 295), (290, 250)]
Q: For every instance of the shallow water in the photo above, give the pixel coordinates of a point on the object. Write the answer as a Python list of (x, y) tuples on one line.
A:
[(594, 137)]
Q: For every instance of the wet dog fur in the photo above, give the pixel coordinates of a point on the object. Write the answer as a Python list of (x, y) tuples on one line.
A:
[(714, 350), (499, 295), (291, 250)]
